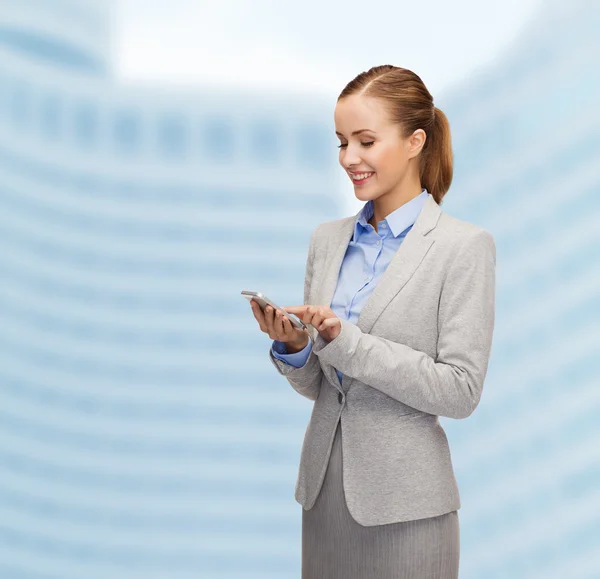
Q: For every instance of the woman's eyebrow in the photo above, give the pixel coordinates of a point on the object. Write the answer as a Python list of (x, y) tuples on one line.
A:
[(355, 132)]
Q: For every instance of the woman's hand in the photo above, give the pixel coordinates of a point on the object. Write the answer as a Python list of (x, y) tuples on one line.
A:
[(279, 327), (322, 318)]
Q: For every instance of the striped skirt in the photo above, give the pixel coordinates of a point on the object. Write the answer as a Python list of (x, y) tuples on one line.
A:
[(335, 546)]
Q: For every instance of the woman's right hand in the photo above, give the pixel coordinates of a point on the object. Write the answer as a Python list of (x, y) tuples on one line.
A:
[(279, 327)]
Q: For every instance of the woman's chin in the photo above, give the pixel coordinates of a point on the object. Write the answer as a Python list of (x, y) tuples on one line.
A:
[(364, 194)]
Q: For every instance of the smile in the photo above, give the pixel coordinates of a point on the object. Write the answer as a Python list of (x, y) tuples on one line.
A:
[(361, 178)]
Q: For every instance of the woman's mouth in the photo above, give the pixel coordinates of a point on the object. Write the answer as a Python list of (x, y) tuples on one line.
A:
[(360, 178)]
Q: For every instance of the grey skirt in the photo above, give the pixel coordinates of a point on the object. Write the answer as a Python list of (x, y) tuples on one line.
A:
[(335, 546)]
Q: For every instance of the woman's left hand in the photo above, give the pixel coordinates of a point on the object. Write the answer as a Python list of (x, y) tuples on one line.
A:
[(322, 318)]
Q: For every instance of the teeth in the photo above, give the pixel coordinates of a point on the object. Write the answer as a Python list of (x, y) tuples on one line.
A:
[(361, 176)]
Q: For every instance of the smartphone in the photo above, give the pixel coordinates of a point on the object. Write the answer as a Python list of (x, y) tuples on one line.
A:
[(262, 300)]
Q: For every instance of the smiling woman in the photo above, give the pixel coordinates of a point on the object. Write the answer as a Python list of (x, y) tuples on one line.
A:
[(399, 303), (393, 140)]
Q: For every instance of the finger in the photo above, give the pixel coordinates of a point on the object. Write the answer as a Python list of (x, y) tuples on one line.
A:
[(307, 314), (269, 315), (279, 328), (286, 325), (307, 318), (315, 319), (295, 309), (329, 323), (255, 307), (256, 311), (322, 322)]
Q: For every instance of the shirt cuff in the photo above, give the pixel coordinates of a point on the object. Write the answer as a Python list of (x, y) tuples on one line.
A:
[(298, 359)]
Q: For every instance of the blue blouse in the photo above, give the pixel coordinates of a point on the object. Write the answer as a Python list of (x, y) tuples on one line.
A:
[(367, 257)]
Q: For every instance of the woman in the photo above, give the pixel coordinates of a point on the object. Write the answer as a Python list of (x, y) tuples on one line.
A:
[(399, 304)]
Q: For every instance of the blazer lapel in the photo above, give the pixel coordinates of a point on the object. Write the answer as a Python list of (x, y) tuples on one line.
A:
[(403, 265)]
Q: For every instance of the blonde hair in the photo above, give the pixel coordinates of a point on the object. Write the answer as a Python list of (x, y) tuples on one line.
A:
[(410, 105)]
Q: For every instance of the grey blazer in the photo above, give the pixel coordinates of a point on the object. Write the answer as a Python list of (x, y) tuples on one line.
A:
[(419, 350)]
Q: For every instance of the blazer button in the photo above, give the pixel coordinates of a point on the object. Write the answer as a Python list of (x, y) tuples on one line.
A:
[(340, 397)]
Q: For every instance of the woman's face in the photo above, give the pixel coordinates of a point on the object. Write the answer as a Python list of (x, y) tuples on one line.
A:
[(379, 150)]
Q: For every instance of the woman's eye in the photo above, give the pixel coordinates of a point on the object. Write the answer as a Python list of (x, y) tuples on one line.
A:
[(342, 146)]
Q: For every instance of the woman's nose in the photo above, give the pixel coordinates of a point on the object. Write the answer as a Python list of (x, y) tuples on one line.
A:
[(351, 161)]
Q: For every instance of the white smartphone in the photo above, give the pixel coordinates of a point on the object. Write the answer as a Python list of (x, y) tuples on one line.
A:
[(262, 300)]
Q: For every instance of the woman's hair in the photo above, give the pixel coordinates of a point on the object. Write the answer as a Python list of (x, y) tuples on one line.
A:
[(410, 105)]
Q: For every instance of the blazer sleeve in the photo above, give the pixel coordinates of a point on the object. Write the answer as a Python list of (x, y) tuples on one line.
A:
[(451, 384), (306, 380)]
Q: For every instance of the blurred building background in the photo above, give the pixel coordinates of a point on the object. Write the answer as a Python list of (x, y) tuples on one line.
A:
[(526, 135), (143, 431)]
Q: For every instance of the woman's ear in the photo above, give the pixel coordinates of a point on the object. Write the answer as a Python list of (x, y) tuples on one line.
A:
[(416, 142)]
